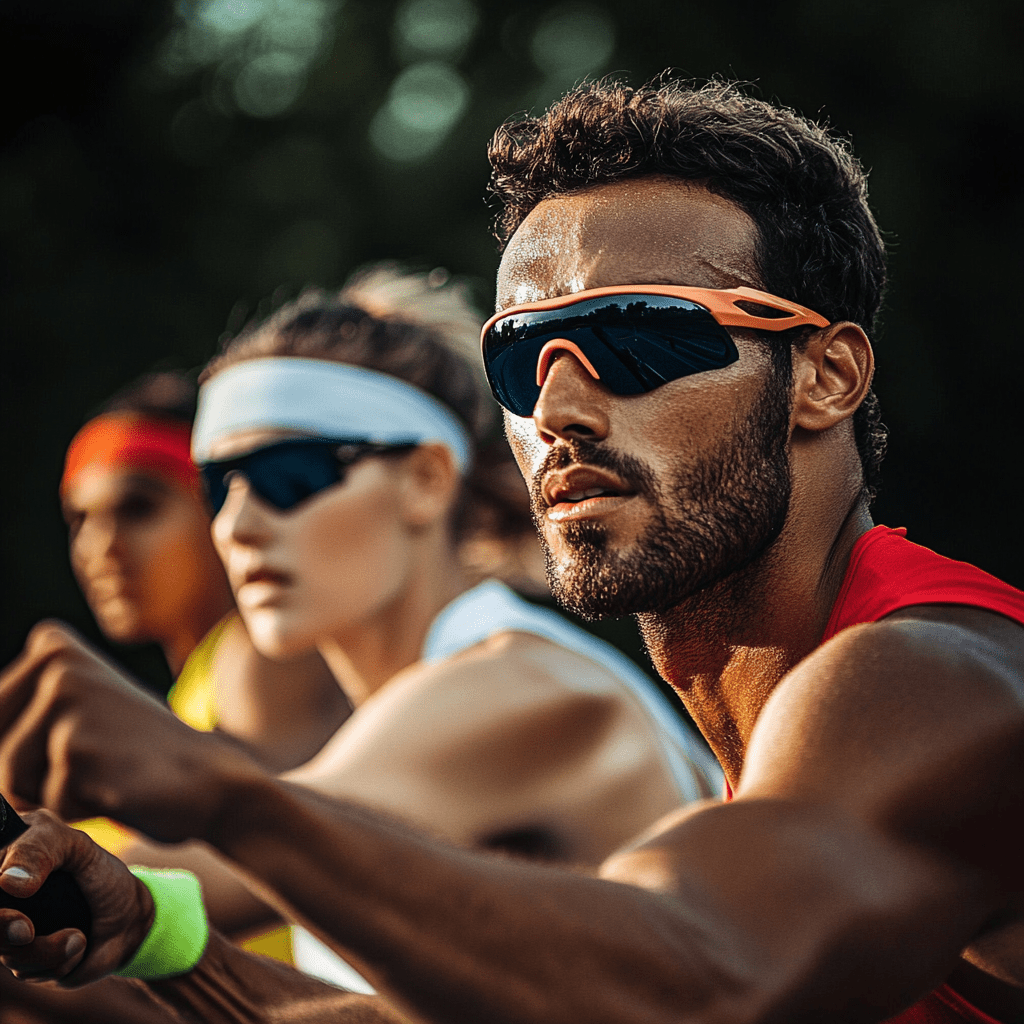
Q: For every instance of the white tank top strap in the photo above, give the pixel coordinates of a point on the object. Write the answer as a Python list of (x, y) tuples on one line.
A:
[(491, 607)]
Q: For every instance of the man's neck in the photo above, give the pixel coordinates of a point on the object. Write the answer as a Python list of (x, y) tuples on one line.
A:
[(725, 649)]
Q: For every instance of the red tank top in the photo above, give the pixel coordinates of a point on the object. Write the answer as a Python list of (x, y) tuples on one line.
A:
[(943, 1006), (887, 572)]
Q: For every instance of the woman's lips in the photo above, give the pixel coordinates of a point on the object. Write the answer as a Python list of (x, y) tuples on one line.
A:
[(266, 576), (261, 586), (110, 588)]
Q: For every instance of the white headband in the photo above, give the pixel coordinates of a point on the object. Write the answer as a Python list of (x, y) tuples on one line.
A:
[(325, 399)]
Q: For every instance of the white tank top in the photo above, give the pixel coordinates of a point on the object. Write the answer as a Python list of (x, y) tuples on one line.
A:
[(491, 608)]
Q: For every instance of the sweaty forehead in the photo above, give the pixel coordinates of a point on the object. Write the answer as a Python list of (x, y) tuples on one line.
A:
[(655, 230)]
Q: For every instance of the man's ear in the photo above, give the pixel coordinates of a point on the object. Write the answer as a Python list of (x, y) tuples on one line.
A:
[(430, 484), (831, 376)]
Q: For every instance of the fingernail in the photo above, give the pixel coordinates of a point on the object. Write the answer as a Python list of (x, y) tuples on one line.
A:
[(18, 933), (75, 946), (17, 873)]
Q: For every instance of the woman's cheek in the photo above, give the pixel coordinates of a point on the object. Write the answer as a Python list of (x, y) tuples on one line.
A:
[(356, 559)]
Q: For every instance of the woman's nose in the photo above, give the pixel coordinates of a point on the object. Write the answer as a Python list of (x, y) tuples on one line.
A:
[(97, 541), (242, 518)]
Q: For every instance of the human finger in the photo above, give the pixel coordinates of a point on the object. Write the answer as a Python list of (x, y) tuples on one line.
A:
[(23, 760), (16, 929), (46, 957), (70, 885), (17, 680)]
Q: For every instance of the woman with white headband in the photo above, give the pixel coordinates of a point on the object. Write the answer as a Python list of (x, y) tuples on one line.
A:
[(343, 447)]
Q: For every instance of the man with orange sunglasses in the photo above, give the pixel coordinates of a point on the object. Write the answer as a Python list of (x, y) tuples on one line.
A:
[(685, 299)]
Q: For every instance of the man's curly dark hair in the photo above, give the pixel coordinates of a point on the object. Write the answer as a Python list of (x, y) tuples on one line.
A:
[(805, 191)]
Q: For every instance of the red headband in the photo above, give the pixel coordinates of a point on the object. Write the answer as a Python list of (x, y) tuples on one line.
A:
[(132, 440)]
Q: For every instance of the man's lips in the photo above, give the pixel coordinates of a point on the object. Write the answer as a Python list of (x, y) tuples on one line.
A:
[(583, 490)]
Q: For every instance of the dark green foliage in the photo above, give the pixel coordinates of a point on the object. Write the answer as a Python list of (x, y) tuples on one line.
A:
[(143, 212)]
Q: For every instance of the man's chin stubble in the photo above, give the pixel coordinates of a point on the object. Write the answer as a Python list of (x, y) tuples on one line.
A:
[(617, 587), (595, 583), (716, 523), (675, 564)]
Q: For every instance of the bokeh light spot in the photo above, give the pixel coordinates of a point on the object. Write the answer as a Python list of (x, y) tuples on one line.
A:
[(269, 84), (263, 50), (230, 17), (424, 103), (573, 40), (434, 28)]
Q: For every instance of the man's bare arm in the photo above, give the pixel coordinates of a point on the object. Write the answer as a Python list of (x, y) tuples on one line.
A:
[(839, 849), (111, 1001), (835, 886), (229, 986), (529, 753)]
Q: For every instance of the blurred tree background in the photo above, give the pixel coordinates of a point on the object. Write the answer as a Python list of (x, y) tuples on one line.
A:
[(167, 166)]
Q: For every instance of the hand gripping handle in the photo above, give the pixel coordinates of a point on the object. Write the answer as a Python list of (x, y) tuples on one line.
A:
[(59, 903)]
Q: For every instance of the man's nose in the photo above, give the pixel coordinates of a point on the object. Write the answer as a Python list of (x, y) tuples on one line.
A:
[(572, 405)]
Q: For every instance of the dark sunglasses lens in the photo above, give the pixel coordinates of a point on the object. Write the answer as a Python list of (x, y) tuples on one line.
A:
[(283, 474), (288, 474), (214, 485), (636, 343)]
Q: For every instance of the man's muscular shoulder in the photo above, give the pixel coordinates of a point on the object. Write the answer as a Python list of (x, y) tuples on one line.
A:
[(915, 723)]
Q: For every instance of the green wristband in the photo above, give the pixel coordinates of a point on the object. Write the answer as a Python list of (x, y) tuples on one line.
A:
[(178, 937)]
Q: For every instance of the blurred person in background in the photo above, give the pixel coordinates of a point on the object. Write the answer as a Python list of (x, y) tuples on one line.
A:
[(140, 547), (138, 525)]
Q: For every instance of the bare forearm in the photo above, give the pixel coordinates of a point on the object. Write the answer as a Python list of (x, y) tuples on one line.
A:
[(229, 986), (703, 923), (111, 1001), (459, 936)]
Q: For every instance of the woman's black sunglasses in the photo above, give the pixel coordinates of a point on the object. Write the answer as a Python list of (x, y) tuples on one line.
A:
[(632, 338), (289, 472)]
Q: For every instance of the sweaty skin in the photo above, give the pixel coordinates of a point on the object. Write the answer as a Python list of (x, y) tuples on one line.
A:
[(879, 778)]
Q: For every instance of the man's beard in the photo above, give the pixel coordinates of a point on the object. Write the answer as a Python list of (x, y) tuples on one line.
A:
[(710, 520)]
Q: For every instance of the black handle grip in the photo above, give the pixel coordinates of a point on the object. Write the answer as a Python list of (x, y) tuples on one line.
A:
[(59, 903)]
